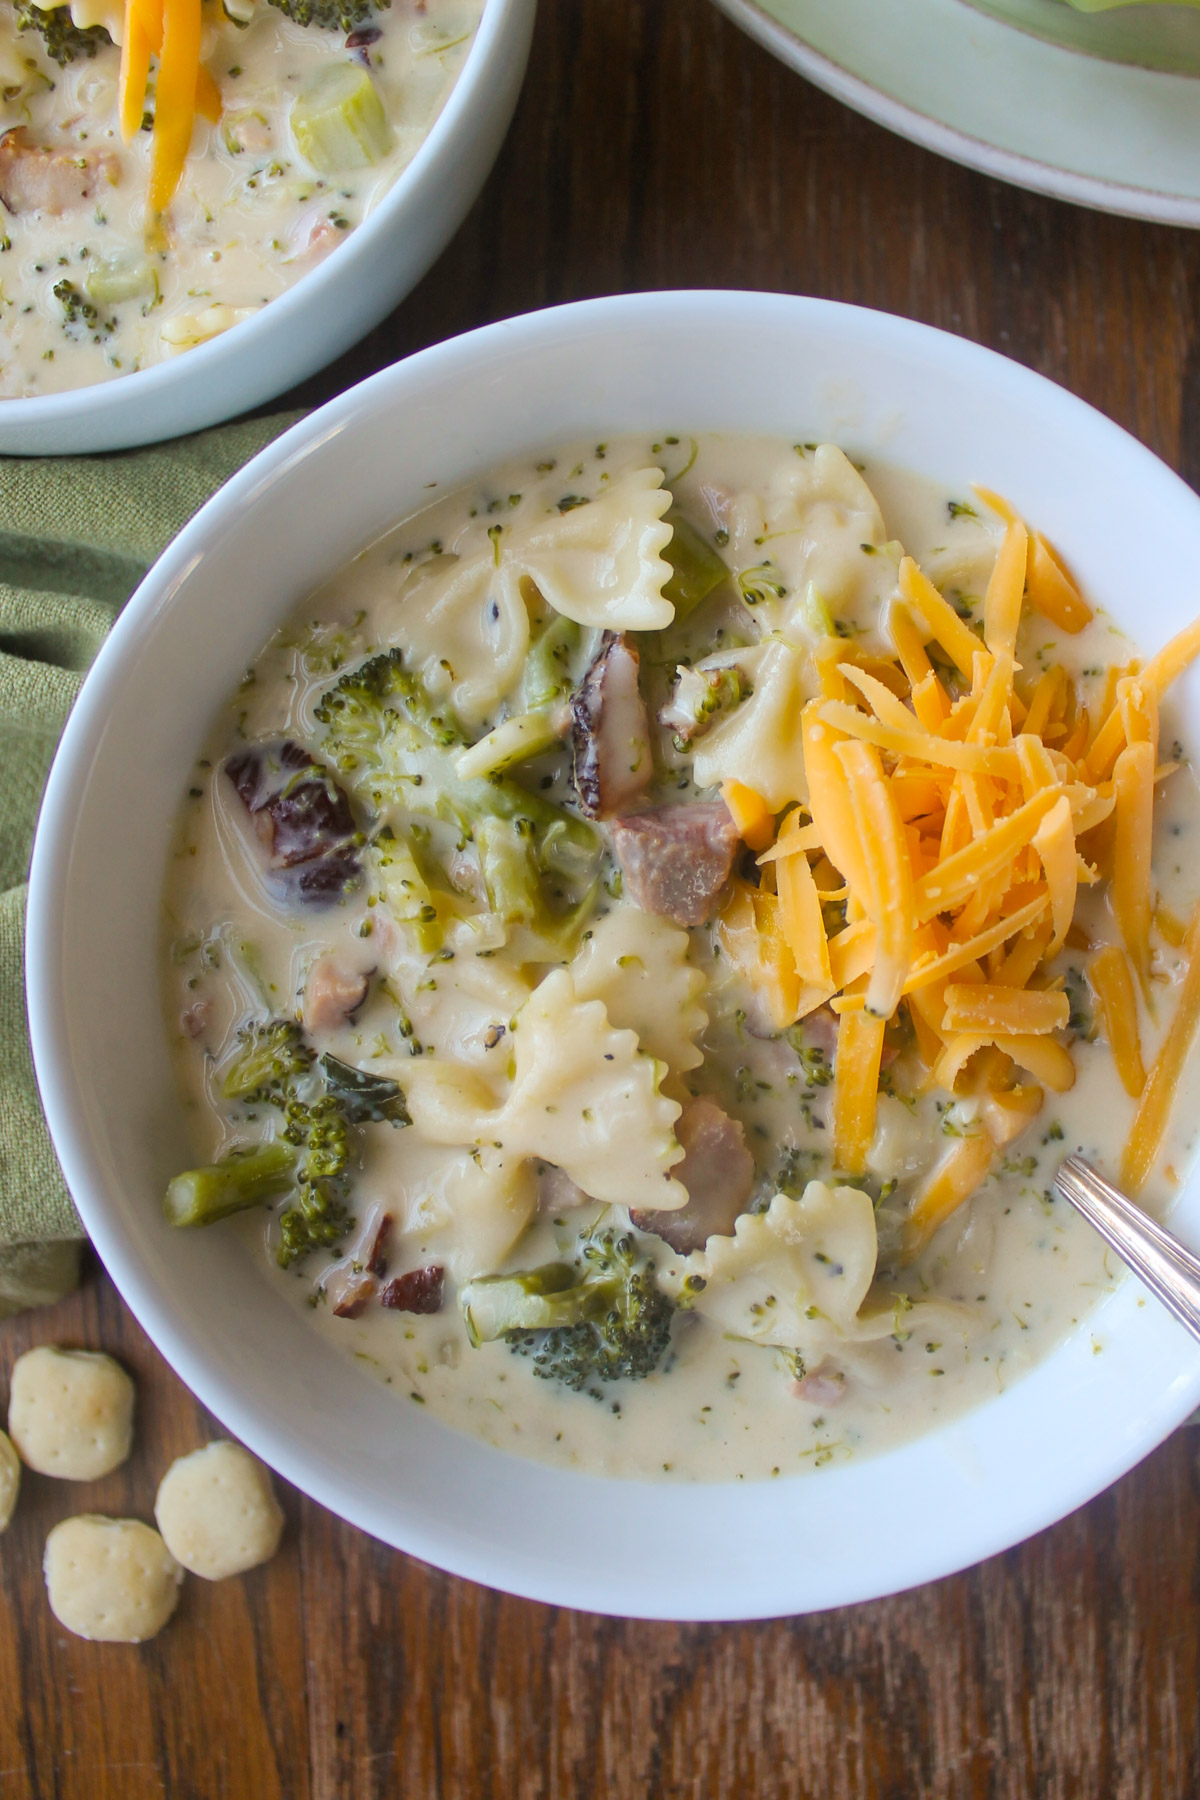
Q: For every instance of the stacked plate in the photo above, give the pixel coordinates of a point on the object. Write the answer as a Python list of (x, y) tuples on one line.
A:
[(1102, 108)]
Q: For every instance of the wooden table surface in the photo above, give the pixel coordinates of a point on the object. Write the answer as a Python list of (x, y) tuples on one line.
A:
[(657, 147)]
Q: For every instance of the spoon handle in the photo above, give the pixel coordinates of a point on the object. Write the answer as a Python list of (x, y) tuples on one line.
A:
[(1167, 1269)]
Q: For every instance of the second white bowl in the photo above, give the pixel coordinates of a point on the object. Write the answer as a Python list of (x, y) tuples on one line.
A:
[(328, 309)]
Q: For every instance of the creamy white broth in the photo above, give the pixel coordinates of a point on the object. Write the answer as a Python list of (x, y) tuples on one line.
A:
[(999, 1285), (251, 216)]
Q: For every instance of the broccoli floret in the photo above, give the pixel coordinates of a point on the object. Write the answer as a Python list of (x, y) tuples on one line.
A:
[(388, 737), (320, 1102), (319, 1216), (268, 1058), (241, 1179), (361, 718), (605, 1319), (64, 42), (331, 15)]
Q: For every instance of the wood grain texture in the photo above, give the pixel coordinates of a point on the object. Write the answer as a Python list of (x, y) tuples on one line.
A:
[(656, 147)]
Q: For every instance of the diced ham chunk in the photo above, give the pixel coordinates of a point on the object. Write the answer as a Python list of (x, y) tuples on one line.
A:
[(349, 1292), (376, 1257), (823, 1386), (419, 1291), (610, 732), (194, 1019), (718, 1172), (556, 1192), (34, 178), (676, 860), (332, 994)]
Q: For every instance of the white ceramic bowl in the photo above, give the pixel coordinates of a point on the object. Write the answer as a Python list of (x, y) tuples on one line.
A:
[(652, 363), (328, 309)]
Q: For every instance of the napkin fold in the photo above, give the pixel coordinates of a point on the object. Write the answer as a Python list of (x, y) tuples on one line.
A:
[(77, 534)]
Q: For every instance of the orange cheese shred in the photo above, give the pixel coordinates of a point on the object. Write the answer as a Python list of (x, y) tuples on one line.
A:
[(1132, 894), (804, 932), (1111, 981), (1054, 841), (956, 639), (887, 897), (175, 99), (856, 1088), (753, 818), (1005, 592), (1050, 589), (987, 1007), (1154, 1109), (953, 1181)]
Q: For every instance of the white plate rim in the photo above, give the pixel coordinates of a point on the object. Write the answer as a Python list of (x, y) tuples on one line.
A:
[(1127, 200)]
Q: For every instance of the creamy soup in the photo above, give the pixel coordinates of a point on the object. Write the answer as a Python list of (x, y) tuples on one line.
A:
[(638, 947), (306, 130)]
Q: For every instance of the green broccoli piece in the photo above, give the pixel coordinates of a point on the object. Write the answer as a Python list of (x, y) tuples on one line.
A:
[(319, 1216), (605, 1319), (696, 569), (269, 1057), (547, 675), (366, 1099), (392, 741), (64, 42), (361, 717), (243, 1178), (330, 15), (320, 1101)]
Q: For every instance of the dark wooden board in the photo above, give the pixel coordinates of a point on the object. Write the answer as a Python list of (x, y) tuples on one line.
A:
[(656, 147)]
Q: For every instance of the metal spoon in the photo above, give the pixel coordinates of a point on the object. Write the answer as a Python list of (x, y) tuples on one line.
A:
[(1168, 1270)]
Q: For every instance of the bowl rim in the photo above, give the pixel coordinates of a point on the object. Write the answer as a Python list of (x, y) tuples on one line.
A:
[(490, 1561), (72, 406)]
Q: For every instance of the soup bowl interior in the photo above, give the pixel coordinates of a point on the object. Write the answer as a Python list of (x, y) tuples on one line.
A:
[(802, 369)]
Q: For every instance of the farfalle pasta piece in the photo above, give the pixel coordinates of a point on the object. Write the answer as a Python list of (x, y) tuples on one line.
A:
[(582, 1096), (637, 965), (811, 548), (465, 625), (756, 743), (460, 1207), (796, 1276), (602, 563)]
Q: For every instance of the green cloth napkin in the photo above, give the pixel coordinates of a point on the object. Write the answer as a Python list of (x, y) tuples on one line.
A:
[(76, 536)]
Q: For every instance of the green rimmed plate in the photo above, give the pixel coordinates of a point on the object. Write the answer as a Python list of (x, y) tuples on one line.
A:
[(1030, 105)]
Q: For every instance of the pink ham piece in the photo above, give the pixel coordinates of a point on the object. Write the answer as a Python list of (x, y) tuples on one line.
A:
[(332, 994), (676, 860), (349, 1292), (34, 178), (610, 732), (823, 1386), (718, 1172)]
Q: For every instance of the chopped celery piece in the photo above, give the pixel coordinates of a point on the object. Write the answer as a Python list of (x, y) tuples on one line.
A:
[(338, 121), (548, 666), (515, 741), (696, 567), (243, 1178), (816, 615), (121, 276), (406, 892), (510, 876), (494, 1304)]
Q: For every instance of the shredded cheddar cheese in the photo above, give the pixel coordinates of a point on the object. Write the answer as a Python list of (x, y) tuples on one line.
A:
[(956, 807), (170, 31)]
